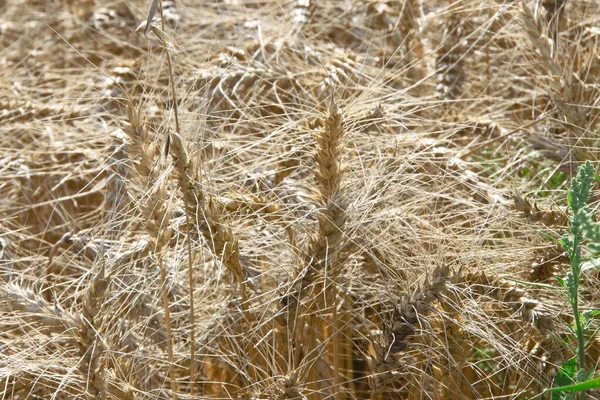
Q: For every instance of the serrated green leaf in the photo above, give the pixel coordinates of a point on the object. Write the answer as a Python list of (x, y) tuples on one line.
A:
[(592, 337), (582, 231), (563, 396), (584, 374), (581, 223), (590, 229)]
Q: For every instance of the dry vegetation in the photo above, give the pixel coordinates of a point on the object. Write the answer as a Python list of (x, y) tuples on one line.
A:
[(334, 217)]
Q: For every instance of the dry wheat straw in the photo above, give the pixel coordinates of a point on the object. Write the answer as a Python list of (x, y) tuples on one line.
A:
[(555, 17), (82, 329), (161, 35), (205, 213), (16, 111), (34, 308)]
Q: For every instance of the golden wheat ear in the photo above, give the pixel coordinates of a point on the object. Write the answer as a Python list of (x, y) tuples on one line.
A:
[(449, 60)]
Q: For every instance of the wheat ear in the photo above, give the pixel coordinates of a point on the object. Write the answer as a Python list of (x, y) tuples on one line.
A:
[(393, 338), (563, 83), (516, 298), (206, 215), (91, 346), (155, 213), (449, 61), (322, 264)]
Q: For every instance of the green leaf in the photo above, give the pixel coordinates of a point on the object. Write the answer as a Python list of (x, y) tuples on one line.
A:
[(570, 199), (566, 373), (586, 385), (590, 229), (563, 396), (587, 318), (549, 237), (593, 248), (590, 314), (567, 378), (584, 374), (593, 335)]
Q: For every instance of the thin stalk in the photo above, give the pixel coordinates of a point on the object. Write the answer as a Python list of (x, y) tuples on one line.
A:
[(162, 268), (192, 314), (165, 301), (171, 82), (347, 347), (574, 299), (337, 381)]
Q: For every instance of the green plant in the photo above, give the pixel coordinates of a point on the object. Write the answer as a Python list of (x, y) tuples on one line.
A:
[(582, 244)]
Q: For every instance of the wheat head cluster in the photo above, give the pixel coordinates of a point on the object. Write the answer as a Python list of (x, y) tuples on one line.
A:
[(291, 199)]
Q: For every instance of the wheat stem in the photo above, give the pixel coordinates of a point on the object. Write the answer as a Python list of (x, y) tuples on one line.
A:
[(171, 82)]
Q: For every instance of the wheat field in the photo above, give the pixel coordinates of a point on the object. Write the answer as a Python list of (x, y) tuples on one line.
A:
[(291, 199)]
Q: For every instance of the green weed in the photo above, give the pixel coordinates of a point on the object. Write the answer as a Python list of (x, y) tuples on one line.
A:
[(582, 243)]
